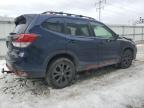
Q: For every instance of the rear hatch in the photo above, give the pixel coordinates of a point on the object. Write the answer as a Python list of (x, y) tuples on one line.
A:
[(19, 39)]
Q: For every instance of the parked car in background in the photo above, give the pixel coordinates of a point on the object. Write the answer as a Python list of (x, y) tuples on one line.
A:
[(56, 45)]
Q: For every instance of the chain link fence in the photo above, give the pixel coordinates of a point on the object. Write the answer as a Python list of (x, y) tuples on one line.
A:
[(134, 32)]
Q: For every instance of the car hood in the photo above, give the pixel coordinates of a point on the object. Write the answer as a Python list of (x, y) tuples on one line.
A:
[(127, 39)]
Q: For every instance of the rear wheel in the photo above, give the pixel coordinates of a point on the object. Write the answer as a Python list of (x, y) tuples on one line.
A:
[(60, 73), (126, 59)]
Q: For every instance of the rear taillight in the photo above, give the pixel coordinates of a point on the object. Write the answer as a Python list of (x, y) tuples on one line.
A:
[(23, 40)]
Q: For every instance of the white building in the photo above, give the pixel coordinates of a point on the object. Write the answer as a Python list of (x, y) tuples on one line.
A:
[(6, 26)]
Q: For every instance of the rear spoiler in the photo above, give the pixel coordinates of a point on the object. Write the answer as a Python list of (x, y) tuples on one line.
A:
[(20, 20)]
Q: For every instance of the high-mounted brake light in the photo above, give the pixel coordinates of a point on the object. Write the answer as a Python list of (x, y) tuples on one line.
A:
[(24, 40)]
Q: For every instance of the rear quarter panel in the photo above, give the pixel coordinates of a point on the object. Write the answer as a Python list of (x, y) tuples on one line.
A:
[(48, 44)]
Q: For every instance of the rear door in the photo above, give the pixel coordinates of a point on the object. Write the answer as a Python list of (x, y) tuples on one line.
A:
[(82, 43), (109, 45)]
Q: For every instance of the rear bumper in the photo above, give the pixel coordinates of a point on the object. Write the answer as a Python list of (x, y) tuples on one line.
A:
[(24, 69), (15, 71)]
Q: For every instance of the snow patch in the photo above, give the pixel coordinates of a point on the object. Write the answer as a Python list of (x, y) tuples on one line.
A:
[(103, 88)]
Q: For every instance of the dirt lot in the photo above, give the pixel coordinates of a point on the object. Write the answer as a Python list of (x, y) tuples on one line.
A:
[(102, 88)]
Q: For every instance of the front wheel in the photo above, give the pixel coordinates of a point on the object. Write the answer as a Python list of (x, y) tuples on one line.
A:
[(60, 73), (126, 59)]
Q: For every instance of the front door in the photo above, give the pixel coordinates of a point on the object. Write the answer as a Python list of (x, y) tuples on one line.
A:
[(82, 43), (109, 45)]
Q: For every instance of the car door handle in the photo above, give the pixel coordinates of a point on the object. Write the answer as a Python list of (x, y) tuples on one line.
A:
[(108, 40), (105, 41), (72, 41)]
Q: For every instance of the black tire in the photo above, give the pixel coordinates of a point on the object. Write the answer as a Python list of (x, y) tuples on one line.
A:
[(60, 73), (126, 59)]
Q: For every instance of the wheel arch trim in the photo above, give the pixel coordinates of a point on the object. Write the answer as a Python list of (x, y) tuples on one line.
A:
[(59, 54)]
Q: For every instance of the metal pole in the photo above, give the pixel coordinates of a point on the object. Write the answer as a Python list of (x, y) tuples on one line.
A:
[(100, 10), (142, 32), (100, 7)]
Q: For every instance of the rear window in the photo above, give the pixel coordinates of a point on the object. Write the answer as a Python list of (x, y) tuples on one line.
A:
[(22, 23), (77, 28), (20, 28), (54, 24)]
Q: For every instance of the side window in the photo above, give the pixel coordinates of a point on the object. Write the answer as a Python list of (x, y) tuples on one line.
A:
[(54, 24), (77, 28), (101, 31)]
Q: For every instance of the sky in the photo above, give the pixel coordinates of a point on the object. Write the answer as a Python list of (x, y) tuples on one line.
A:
[(114, 11)]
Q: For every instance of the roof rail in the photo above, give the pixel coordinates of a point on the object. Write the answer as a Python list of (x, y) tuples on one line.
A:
[(66, 14)]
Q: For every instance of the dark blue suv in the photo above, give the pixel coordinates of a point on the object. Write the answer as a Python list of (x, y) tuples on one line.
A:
[(57, 45)]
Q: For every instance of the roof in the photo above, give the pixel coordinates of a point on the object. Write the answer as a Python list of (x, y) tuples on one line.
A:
[(62, 14)]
